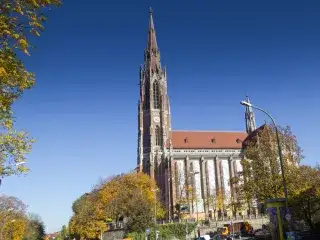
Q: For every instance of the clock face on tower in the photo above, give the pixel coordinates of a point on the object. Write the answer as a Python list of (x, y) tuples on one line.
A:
[(156, 119)]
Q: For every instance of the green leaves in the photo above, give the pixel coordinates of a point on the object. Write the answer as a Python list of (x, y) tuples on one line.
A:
[(304, 189), (166, 231), (18, 20), (261, 177), (13, 148)]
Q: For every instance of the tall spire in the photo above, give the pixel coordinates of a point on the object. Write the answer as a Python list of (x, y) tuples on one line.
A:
[(152, 40), (152, 54), (250, 118)]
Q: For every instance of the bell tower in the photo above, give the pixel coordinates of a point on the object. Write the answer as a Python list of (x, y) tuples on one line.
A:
[(154, 123)]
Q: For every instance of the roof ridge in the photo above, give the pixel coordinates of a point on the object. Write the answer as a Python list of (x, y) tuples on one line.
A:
[(208, 131)]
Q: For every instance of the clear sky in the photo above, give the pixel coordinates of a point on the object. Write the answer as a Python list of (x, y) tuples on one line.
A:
[(83, 109)]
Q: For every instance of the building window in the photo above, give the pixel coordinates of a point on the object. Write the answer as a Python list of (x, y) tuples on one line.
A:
[(213, 140), (156, 95), (147, 95), (158, 136), (186, 140)]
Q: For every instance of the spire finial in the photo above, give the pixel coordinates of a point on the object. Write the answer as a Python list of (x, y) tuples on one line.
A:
[(247, 98), (151, 25)]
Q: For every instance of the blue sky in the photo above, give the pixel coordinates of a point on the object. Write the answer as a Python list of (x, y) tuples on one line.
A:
[(83, 109)]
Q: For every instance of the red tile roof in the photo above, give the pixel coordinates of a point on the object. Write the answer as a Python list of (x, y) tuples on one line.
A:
[(207, 140)]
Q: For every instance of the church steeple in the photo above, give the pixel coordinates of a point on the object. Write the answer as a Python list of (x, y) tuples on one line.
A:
[(152, 53), (154, 110), (152, 39), (250, 118)]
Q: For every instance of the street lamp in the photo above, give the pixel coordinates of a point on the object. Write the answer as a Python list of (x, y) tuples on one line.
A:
[(247, 104), (17, 165), (20, 163)]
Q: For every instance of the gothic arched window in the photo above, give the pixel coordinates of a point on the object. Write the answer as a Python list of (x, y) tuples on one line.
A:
[(156, 95), (147, 95), (158, 136)]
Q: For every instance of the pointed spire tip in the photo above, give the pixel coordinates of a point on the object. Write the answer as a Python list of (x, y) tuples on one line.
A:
[(150, 10)]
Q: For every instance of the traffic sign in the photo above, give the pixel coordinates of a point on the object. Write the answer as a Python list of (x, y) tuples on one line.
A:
[(288, 217)]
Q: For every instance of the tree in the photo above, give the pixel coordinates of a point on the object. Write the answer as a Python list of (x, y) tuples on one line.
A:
[(236, 198), (35, 229), (261, 174), (64, 233), (16, 224), (130, 198), (120, 204), (19, 19), (186, 194), (12, 218), (11, 208), (305, 194), (14, 229), (87, 220)]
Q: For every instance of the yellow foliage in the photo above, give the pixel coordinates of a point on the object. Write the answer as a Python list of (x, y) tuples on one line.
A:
[(119, 197), (14, 229), (2, 71), (23, 44), (15, 17)]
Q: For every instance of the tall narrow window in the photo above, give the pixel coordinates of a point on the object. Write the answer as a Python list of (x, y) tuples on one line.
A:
[(158, 136), (156, 95), (147, 95)]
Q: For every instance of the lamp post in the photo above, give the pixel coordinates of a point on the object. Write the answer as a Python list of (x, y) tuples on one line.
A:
[(17, 165), (247, 104)]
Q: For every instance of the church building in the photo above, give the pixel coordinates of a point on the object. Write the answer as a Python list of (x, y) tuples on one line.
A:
[(203, 161)]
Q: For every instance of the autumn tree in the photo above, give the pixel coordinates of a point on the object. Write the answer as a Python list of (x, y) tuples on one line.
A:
[(185, 194), (16, 224), (13, 218), (64, 233), (35, 229), (130, 198), (87, 220), (14, 229), (304, 191), (121, 195), (237, 199), (261, 167), (19, 20)]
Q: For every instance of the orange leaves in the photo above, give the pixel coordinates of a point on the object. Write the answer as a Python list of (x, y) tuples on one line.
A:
[(129, 196), (129, 182)]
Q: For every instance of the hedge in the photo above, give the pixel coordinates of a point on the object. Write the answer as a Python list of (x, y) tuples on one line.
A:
[(166, 231)]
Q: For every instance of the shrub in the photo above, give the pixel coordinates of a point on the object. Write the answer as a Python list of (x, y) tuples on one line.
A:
[(166, 231)]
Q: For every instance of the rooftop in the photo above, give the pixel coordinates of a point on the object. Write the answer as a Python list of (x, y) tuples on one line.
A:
[(187, 139)]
